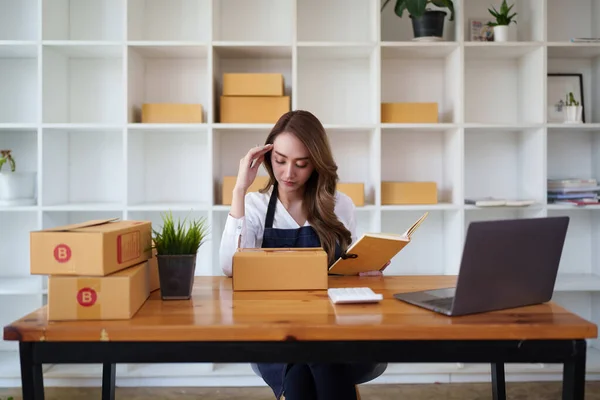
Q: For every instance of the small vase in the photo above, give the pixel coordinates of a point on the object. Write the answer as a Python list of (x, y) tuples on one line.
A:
[(176, 274), (573, 114), (501, 33), (17, 188)]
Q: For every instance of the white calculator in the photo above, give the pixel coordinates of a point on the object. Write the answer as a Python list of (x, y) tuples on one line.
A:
[(353, 295)]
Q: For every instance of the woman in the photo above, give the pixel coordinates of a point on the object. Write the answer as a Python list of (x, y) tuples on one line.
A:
[(299, 207)]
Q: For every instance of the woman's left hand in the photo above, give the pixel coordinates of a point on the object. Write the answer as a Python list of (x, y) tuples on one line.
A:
[(375, 273)]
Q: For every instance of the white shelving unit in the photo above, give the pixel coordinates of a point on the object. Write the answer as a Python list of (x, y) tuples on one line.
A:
[(74, 74)]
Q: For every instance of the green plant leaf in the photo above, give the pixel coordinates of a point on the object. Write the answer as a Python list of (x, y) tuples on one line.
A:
[(178, 237), (445, 3), (400, 7), (416, 8)]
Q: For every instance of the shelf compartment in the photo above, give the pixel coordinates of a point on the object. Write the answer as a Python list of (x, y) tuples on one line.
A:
[(167, 74), (173, 20), (512, 72), (423, 74), (573, 154), (14, 244), (507, 164), (229, 146), (83, 168), (578, 60), (18, 20), (83, 84), (83, 20), (155, 156), (424, 156), (530, 19), (396, 29), (203, 264), (19, 83), (572, 20), (24, 149), (235, 58), (336, 20), (339, 87), (253, 20), (435, 247)]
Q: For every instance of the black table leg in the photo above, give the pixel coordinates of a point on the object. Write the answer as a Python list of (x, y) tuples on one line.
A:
[(32, 378), (498, 381), (108, 381), (574, 373)]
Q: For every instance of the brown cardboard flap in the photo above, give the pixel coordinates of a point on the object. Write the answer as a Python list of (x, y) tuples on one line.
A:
[(72, 227)]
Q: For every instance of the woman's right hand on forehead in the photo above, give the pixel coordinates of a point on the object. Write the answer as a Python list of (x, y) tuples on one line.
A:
[(249, 165)]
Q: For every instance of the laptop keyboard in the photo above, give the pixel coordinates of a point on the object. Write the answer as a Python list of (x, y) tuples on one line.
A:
[(445, 302)]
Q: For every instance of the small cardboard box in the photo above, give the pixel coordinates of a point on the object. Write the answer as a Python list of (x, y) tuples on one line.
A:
[(408, 193), (409, 112), (171, 113), (154, 277), (116, 296), (356, 191), (280, 269), (94, 248), (229, 183), (253, 110), (253, 84)]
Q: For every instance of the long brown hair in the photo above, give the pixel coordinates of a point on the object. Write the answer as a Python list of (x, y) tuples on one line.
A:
[(319, 191)]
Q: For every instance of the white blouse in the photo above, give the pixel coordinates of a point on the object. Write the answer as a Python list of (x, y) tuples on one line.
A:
[(249, 228)]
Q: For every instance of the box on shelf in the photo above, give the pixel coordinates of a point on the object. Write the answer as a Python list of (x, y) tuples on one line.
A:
[(253, 109), (279, 269), (356, 191), (408, 193), (116, 296), (94, 248), (171, 113), (409, 112), (229, 184), (253, 84)]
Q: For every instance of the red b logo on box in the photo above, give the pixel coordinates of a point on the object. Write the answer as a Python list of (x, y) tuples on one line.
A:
[(62, 253), (87, 297)]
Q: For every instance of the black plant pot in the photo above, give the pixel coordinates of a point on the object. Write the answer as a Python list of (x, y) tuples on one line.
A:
[(176, 274), (431, 23)]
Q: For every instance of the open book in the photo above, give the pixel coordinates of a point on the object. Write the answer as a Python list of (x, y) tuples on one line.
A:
[(372, 251)]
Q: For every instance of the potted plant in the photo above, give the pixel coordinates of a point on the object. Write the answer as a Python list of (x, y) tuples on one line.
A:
[(426, 23), (573, 110), (176, 245), (16, 187), (503, 19)]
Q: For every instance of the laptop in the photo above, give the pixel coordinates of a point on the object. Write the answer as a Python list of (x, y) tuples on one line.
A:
[(505, 264)]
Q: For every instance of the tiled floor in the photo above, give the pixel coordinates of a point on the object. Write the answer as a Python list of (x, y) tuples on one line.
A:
[(478, 391)]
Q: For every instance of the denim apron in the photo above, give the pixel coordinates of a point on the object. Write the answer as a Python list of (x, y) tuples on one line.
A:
[(273, 373)]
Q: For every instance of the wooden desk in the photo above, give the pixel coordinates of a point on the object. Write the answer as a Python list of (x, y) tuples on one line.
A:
[(218, 325)]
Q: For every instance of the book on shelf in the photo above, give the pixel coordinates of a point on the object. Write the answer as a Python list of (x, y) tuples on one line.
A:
[(573, 191), (585, 40), (373, 250), (498, 202)]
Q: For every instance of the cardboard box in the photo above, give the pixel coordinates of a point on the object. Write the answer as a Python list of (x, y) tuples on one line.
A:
[(280, 269), (94, 248), (253, 84), (253, 110), (229, 184), (408, 193), (171, 113), (116, 296), (409, 112), (356, 191)]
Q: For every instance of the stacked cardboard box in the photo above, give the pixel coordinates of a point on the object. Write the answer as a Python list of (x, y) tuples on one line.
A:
[(97, 270), (171, 113), (253, 98)]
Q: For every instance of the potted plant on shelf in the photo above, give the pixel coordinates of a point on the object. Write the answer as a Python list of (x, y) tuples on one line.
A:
[(503, 19), (16, 187), (573, 110), (427, 23), (176, 245)]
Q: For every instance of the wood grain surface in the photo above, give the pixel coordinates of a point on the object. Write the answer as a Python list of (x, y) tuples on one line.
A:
[(216, 313)]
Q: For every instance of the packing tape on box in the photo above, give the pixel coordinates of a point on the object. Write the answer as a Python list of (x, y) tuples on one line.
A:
[(88, 301)]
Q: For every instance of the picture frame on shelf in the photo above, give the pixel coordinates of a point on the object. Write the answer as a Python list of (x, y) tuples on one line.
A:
[(479, 31), (559, 85)]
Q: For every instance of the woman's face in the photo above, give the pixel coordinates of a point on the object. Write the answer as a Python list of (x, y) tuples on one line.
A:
[(291, 162)]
